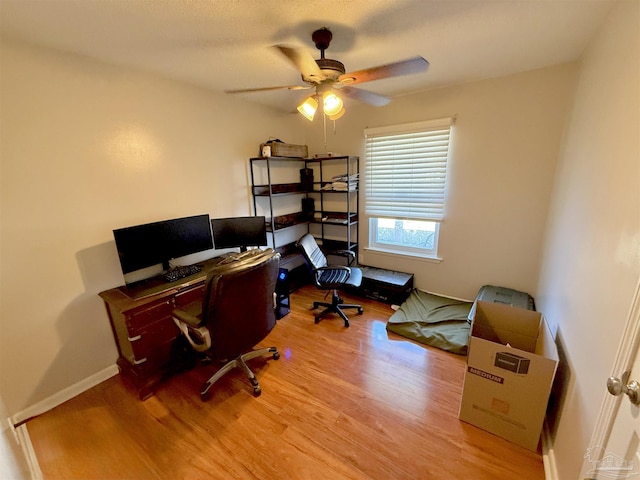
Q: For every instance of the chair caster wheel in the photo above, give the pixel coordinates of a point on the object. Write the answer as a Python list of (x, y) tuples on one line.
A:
[(315, 305), (204, 396), (346, 324), (257, 391), (360, 311), (276, 356), (316, 321)]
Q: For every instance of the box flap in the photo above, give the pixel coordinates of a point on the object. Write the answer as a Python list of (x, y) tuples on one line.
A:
[(503, 324)]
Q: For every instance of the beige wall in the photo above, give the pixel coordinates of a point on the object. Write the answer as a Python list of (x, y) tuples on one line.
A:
[(86, 148), (503, 160), (591, 263)]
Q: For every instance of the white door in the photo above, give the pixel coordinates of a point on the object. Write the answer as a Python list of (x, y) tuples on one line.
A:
[(615, 445)]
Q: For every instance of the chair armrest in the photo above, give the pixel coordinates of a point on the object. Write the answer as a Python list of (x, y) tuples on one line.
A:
[(188, 319), (341, 253), (191, 313), (345, 253)]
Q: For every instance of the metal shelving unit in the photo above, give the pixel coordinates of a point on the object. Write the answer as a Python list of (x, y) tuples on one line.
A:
[(264, 188), (334, 218), (335, 222)]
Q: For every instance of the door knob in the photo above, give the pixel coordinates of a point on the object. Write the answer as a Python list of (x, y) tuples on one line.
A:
[(617, 387)]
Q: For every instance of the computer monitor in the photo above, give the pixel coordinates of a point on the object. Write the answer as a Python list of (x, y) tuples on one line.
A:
[(239, 232), (146, 245)]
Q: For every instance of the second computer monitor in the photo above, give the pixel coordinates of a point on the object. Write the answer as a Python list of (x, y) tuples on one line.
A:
[(239, 232)]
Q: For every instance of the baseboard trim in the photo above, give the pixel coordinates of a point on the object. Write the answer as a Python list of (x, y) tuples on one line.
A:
[(24, 440), (445, 296), (548, 456), (64, 395)]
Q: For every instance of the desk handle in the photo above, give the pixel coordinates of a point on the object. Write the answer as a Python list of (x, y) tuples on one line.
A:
[(133, 339), (138, 362)]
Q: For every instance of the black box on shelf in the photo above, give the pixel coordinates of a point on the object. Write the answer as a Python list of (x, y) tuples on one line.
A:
[(306, 179), (308, 208)]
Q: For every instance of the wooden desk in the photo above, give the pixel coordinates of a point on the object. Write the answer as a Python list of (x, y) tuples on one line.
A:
[(143, 329)]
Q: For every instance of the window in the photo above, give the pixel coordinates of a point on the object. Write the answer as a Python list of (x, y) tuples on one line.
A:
[(408, 236), (405, 174)]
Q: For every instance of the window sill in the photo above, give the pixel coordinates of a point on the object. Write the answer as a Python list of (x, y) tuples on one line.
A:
[(398, 253)]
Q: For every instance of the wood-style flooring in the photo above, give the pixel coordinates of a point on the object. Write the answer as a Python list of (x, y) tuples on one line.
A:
[(340, 403)]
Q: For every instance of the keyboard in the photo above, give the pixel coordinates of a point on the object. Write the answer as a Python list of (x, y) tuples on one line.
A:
[(176, 273)]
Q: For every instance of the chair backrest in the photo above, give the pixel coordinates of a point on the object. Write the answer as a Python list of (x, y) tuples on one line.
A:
[(311, 252), (239, 305)]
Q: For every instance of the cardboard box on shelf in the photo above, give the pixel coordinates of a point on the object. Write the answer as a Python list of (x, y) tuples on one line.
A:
[(281, 149), (511, 363)]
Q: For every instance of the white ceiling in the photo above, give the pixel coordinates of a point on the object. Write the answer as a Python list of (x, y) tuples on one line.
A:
[(226, 44)]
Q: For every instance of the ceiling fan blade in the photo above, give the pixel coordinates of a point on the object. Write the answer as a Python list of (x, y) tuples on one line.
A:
[(365, 96), (304, 62), (404, 67), (266, 89)]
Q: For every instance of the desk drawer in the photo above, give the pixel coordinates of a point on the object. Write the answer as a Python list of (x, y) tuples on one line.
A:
[(145, 343), (139, 319)]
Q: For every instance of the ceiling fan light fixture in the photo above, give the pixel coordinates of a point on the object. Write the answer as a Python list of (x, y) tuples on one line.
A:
[(337, 115), (332, 104), (326, 74), (308, 107)]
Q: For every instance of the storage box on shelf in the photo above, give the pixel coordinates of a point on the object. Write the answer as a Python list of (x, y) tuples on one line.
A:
[(281, 149)]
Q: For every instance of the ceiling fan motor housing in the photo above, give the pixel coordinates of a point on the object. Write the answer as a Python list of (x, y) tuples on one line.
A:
[(322, 38), (332, 68)]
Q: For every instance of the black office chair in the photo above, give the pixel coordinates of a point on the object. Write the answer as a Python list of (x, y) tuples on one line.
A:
[(330, 277), (236, 312)]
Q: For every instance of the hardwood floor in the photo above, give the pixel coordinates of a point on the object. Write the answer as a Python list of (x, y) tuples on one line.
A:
[(340, 403)]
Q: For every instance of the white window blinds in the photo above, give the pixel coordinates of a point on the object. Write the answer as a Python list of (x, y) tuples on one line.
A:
[(406, 169)]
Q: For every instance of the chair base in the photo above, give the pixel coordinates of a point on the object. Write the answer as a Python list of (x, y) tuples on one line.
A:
[(336, 306), (241, 363)]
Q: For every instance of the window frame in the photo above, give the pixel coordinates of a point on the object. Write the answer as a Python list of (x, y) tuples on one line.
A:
[(374, 244), (434, 205)]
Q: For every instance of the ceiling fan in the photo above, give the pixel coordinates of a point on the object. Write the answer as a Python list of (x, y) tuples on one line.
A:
[(327, 76)]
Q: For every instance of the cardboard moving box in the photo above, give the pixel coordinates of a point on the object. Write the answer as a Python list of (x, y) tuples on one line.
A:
[(510, 368)]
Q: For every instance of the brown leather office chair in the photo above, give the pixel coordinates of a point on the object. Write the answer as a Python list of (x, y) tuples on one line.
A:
[(236, 312), (330, 277)]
